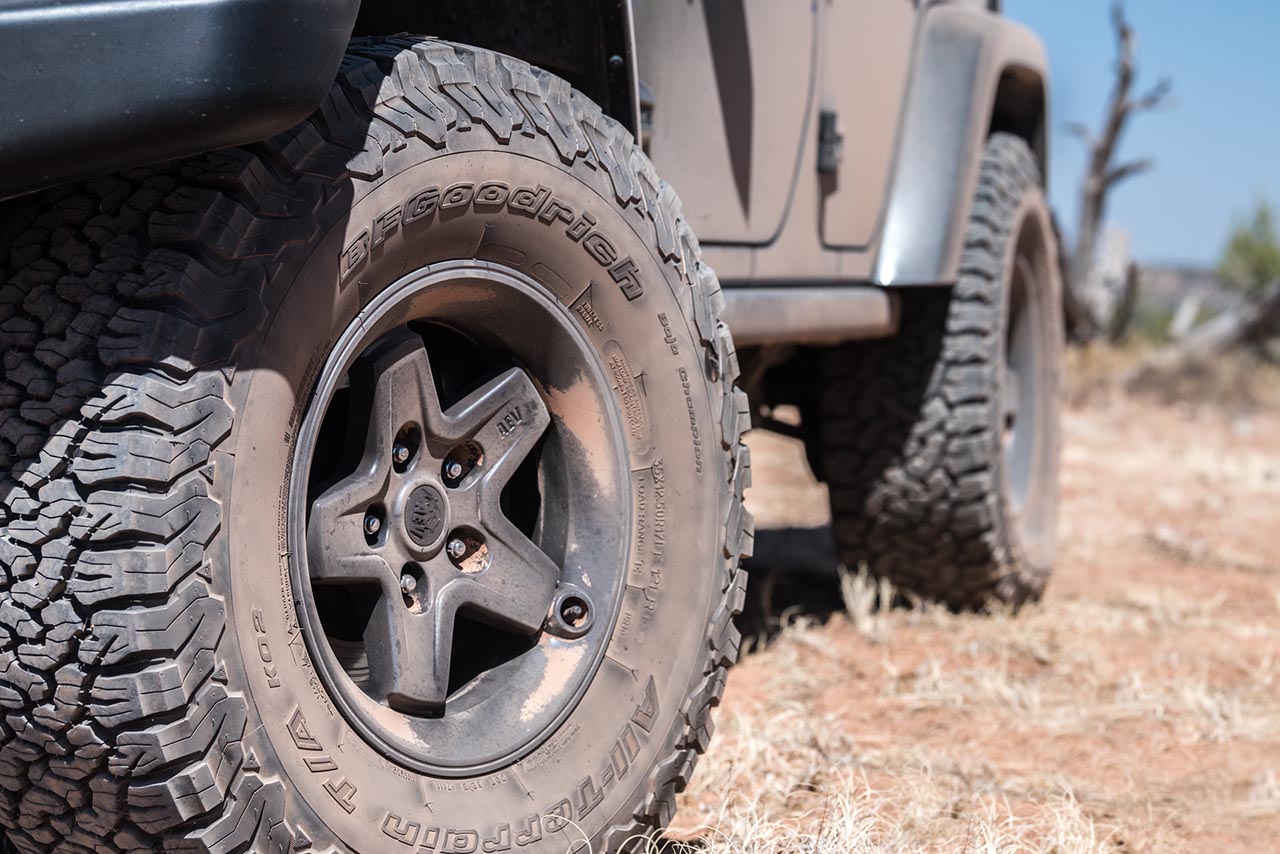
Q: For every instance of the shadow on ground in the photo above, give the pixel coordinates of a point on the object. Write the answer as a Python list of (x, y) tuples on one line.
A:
[(794, 572)]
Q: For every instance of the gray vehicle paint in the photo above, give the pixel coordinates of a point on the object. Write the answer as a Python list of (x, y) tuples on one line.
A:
[(913, 90), (743, 91), (960, 58)]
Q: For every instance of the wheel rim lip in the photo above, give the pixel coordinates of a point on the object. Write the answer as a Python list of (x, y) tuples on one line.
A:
[(1027, 460), (1020, 354), (384, 733)]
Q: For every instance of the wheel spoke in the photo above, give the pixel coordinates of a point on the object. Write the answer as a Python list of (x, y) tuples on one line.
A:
[(338, 548), (409, 654), (517, 586), (1012, 396), (403, 392), (409, 643), (506, 417)]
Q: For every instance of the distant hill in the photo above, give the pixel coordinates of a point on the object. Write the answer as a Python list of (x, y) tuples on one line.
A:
[(1164, 287)]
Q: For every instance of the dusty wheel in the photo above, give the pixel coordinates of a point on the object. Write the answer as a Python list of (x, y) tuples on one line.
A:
[(940, 444), (340, 480)]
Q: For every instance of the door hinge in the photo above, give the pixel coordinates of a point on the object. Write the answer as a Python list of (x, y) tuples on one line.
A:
[(830, 142)]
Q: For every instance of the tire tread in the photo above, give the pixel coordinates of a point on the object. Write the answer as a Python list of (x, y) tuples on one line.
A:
[(124, 302), (907, 429)]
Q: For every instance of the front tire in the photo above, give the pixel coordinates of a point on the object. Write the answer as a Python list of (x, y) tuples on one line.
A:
[(190, 352), (940, 444)]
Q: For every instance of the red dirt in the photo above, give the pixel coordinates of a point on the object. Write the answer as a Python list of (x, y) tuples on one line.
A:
[(1145, 684)]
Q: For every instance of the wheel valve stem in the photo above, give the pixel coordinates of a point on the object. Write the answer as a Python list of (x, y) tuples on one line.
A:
[(372, 524), (457, 548), (400, 454), (453, 470)]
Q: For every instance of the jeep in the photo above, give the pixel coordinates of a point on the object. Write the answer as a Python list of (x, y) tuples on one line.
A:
[(371, 430)]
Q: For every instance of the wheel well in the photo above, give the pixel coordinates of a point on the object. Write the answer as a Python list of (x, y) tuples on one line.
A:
[(1019, 109), (587, 42)]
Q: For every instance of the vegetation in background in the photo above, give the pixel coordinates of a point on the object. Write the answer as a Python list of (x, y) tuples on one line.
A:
[(1250, 266), (1251, 260)]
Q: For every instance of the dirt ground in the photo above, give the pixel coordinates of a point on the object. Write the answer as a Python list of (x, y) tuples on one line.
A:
[(1134, 709)]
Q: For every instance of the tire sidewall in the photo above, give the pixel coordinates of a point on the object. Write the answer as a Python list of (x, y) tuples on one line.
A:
[(579, 779), (1031, 538)]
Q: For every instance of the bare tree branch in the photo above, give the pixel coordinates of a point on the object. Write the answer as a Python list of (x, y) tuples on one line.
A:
[(1116, 174), (1153, 98), (1080, 131), (1122, 319), (1248, 324), (1102, 175), (1124, 34)]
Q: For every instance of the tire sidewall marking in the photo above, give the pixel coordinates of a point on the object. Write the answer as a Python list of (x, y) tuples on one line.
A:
[(634, 343)]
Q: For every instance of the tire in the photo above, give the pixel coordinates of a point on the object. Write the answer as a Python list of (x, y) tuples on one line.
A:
[(930, 487), (166, 333)]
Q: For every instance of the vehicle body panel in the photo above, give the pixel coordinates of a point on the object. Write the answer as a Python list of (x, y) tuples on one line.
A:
[(94, 86), (913, 87), (865, 65), (91, 86), (734, 81), (961, 58), (815, 143)]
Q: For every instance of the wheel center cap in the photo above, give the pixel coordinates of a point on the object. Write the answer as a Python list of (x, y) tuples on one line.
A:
[(425, 515)]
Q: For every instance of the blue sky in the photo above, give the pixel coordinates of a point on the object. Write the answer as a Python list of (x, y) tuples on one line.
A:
[(1216, 145)]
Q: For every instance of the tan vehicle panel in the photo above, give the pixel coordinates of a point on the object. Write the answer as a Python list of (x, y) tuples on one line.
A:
[(865, 64), (734, 82)]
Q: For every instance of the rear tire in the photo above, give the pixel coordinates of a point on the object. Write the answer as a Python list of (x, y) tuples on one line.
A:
[(940, 444), (167, 335)]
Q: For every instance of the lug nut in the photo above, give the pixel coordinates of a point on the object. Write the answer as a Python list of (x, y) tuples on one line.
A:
[(400, 454), (408, 584), (453, 470), (372, 524), (456, 548)]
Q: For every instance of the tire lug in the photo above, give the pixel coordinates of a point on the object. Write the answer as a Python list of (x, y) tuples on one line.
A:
[(372, 524), (400, 454), (453, 470), (408, 584), (456, 548)]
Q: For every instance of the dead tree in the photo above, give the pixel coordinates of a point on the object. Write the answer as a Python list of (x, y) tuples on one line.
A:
[(1122, 317), (1251, 325), (1187, 314), (1104, 175)]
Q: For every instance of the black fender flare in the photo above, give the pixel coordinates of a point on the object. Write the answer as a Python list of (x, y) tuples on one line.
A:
[(590, 43), (93, 87), (90, 88)]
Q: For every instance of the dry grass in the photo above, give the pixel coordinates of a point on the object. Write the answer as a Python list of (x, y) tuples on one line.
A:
[(1234, 381), (1134, 710), (796, 779)]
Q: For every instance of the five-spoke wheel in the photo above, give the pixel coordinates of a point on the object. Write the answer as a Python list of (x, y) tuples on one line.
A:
[(424, 526), (459, 555)]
